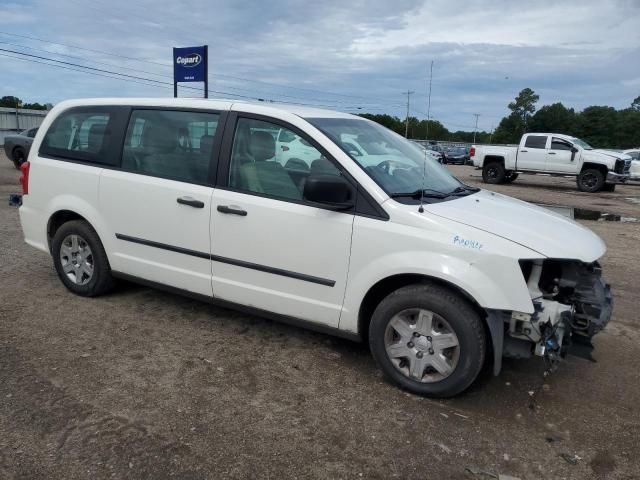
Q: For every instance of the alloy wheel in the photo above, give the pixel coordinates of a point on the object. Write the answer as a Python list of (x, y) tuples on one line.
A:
[(76, 259), (422, 345)]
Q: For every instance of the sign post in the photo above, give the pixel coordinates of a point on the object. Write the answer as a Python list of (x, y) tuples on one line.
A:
[(191, 64)]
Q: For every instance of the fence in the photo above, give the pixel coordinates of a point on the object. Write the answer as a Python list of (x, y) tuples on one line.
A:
[(13, 120)]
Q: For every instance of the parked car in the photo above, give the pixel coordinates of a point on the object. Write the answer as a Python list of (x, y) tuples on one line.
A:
[(456, 155), (634, 171), (188, 195), (17, 146), (439, 150), (553, 154)]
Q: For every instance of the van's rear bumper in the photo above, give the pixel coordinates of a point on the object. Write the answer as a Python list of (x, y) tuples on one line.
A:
[(33, 226)]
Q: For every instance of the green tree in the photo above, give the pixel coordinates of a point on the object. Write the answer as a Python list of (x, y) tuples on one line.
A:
[(524, 105), (554, 118), (635, 105), (9, 101), (597, 125)]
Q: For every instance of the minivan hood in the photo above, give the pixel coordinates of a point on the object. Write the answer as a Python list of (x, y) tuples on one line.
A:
[(539, 229)]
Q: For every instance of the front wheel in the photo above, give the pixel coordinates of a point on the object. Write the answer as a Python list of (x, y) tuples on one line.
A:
[(80, 259), (428, 340), (590, 180), (493, 173)]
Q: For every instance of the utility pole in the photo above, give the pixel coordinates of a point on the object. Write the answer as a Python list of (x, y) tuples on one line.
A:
[(406, 129), (429, 101), (476, 127)]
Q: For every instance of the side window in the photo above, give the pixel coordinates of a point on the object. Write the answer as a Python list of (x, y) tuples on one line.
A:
[(170, 144), (257, 166), (558, 144), (84, 134), (536, 141)]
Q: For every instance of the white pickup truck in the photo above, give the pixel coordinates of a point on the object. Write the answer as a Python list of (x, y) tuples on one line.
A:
[(553, 154)]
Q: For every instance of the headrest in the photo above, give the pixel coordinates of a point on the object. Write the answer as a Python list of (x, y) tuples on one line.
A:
[(160, 137), (206, 143), (263, 146)]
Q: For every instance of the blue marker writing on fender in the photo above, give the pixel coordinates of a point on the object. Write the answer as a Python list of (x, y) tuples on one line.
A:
[(467, 243)]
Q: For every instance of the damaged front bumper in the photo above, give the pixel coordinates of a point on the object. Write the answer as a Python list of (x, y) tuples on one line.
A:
[(572, 303)]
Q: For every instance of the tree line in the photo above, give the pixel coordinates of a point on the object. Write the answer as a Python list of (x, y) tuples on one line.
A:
[(600, 126), (15, 102)]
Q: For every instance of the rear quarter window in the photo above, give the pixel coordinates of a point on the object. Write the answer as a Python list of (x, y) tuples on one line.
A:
[(86, 134)]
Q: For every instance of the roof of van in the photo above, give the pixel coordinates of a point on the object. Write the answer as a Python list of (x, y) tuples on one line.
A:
[(225, 104)]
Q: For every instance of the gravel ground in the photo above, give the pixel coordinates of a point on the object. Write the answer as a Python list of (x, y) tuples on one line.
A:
[(145, 384)]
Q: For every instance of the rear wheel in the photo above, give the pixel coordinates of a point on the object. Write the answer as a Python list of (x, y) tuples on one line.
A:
[(428, 340), (18, 156), (590, 180), (510, 177), (80, 259), (493, 173)]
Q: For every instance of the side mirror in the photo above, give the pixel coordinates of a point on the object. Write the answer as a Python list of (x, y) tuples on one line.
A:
[(354, 153), (574, 150), (331, 191)]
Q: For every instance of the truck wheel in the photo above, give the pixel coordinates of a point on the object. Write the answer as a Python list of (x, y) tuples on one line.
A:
[(18, 156), (609, 187), (80, 259), (590, 180), (493, 173), (428, 340), (510, 177)]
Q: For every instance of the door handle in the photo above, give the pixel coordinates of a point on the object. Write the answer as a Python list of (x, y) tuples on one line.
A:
[(232, 210), (552, 153), (192, 202), (524, 151)]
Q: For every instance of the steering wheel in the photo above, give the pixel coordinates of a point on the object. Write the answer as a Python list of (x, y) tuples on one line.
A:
[(385, 166)]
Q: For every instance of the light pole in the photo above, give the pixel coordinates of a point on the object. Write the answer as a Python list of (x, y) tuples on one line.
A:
[(476, 127), (429, 101), (406, 129)]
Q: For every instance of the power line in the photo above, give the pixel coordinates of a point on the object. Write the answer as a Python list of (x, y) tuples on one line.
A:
[(131, 78), (168, 65)]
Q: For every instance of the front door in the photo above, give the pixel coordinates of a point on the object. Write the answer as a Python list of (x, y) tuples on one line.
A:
[(271, 249), (158, 203), (560, 158)]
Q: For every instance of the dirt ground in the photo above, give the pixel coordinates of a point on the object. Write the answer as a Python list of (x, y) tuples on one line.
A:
[(145, 384)]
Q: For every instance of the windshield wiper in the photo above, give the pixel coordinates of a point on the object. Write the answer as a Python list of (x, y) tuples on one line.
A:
[(463, 190), (426, 193)]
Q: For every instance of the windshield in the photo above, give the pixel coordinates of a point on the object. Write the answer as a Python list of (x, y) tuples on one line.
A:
[(582, 143), (393, 162)]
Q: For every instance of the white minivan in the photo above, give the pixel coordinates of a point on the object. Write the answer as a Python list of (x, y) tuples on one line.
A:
[(187, 195)]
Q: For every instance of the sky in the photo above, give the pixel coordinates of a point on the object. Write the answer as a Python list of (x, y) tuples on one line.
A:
[(354, 56)]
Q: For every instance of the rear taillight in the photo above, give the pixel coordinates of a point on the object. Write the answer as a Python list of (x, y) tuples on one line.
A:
[(472, 152), (24, 178)]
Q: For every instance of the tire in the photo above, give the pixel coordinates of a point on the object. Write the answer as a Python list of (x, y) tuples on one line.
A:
[(74, 273), (493, 173), (450, 313), (590, 180), (510, 177), (609, 187), (18, 156)]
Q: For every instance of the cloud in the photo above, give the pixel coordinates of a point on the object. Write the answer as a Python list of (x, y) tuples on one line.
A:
[(354, 56)]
